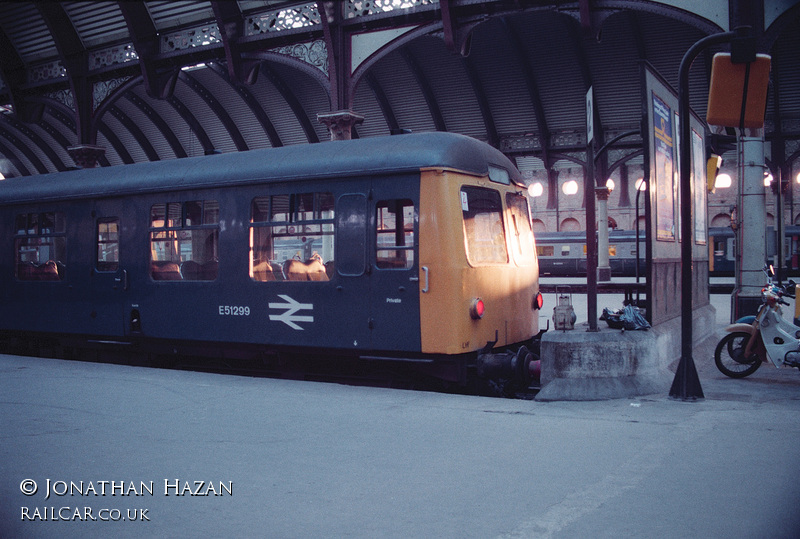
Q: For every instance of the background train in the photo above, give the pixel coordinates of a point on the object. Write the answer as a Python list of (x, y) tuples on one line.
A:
[(415, 248), (723, 259), (564, 253)]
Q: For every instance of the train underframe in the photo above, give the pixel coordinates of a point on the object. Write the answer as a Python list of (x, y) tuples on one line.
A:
[(503, 371)]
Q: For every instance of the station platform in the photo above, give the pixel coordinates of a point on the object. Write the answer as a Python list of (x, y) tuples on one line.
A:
[(100, 450)]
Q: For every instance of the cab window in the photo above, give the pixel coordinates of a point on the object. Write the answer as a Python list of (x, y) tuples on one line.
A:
[(482, 213)]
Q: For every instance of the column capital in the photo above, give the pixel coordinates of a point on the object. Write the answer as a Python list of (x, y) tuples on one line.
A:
[(602, 193), (340, 123), (86, 155)]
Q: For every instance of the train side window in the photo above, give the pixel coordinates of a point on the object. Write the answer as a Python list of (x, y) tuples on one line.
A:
[(565, 250), (40, 246), (520, 228), (482, 212), (184, 241), (291, 237), (107, 244), (394, 222), (545, 250), (719, 248)]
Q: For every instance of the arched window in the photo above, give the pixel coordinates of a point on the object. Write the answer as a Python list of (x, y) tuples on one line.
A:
[(570, 225)]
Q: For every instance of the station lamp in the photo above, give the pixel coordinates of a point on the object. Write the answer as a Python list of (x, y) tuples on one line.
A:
[(536, 189), (723, 181)]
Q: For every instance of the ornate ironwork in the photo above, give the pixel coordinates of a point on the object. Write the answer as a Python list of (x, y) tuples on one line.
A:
[(199, 36), (568, 139), (314, 53), (104, 89), (284, 19), (47, 71), (520, 143), (360, 8), (64, 97), (119, 54)]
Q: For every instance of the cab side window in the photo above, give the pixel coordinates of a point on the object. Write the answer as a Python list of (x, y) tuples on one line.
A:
[(394, 221), (520, 228), (40, 244)]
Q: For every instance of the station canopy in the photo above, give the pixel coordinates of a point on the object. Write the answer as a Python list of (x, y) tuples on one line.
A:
[(159, 80)]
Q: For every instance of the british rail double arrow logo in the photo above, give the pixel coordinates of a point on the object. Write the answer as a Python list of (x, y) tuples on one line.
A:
[(291, 307)]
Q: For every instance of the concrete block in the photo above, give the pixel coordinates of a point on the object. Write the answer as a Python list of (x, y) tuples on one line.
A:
[(610, 363)]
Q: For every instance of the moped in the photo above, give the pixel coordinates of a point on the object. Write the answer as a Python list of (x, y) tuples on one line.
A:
[(753, 340)]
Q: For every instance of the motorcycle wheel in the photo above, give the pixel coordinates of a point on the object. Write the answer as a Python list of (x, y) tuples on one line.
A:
[(730, 359)]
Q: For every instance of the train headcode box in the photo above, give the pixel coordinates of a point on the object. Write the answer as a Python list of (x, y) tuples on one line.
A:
[(738, 93)]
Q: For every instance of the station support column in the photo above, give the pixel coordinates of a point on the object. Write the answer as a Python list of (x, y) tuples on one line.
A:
[(603, 266), (751, 248)]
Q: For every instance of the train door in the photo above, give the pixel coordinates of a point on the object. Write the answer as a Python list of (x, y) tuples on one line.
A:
[(351, 319), (109, 275), (395, 274)]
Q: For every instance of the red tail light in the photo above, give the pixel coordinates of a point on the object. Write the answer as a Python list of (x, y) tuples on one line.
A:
[(476, 309), (538, 301)]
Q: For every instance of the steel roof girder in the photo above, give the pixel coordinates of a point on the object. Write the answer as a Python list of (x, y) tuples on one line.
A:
[(230, 22), (159, 79)]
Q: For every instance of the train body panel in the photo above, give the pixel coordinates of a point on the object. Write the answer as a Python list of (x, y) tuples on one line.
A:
[(360, 255), (466, 260)]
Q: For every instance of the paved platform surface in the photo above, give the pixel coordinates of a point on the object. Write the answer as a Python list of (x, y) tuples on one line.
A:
[(118, 451)]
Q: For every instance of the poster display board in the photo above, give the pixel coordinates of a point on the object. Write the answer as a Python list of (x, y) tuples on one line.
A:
[(662, 139)]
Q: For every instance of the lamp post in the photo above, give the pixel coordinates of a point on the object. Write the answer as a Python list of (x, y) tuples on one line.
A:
[(686, 384)]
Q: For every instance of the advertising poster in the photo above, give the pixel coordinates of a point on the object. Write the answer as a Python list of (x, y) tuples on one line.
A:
[(699, 188), (664, 170)]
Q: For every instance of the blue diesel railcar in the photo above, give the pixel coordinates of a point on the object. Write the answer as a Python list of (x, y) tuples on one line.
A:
[(416, 247)]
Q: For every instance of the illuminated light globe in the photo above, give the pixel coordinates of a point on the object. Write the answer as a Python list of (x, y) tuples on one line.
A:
[(723, 181), (536, 189)]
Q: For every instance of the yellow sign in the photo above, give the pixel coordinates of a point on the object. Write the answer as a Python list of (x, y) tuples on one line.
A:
[(731, 85), (712, 169)]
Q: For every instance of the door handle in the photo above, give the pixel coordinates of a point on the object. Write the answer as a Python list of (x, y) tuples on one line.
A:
[(123, 279), (425, 288)]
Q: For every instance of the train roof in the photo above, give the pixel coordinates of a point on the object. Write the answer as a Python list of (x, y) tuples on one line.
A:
[(334, 159)]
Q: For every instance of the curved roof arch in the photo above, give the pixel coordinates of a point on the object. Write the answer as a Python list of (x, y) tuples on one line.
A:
[(511, 73)]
